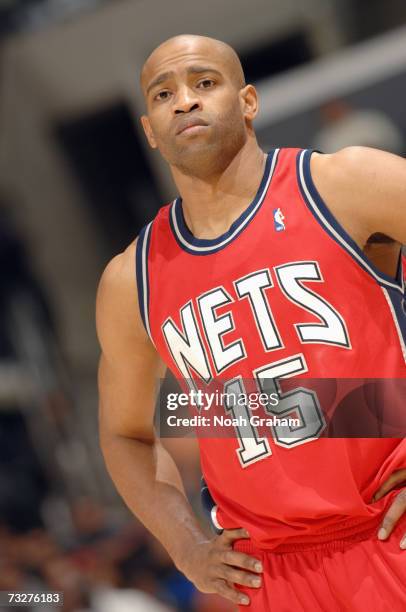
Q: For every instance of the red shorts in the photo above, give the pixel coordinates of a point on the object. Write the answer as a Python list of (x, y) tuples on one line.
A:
[(355, 574)]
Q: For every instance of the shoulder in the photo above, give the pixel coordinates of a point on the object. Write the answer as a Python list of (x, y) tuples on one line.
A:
[(117, 305), (358, 165), (360, 185), (119, 273)]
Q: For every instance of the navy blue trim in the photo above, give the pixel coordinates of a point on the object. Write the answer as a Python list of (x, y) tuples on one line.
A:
[(382, 278), (399, 306), (214, 243), (139, 273), (399, 270), (208, 504), (147, 277)]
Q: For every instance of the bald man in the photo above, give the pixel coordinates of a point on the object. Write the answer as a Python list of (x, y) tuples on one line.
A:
[(259, 272)]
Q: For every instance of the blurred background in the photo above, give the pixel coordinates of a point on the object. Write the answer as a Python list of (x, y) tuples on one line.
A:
[(77, 182)]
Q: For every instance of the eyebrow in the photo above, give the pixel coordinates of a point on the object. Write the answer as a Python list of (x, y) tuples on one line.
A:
[(191, 70)]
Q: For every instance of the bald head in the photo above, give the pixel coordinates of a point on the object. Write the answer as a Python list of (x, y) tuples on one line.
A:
[(178, 47)]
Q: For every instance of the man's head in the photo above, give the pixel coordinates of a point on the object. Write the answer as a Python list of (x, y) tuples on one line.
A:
[(199, 109)]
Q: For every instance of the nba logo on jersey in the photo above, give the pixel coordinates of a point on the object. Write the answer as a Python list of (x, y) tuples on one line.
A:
[(278, 219)]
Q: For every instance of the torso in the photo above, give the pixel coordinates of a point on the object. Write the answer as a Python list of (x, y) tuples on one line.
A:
[(285, 292)]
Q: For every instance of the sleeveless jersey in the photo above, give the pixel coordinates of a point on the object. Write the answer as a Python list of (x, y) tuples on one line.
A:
[(284, 292)]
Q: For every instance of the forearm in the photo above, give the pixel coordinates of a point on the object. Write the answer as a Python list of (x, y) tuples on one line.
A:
[(149, 482)]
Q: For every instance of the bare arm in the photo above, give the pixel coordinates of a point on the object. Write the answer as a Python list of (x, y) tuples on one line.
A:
[(365, 189), (143, 471)]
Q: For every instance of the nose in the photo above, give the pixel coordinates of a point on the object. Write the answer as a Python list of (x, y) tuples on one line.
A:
[(186, 101)]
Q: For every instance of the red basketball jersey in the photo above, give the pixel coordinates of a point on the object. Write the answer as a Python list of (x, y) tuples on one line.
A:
[(284, 292)]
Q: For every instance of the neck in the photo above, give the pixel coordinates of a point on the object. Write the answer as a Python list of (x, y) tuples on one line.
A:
[(211, 204)]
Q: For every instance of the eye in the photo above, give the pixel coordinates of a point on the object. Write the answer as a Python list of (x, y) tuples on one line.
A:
[(162, 95), (205, 83)]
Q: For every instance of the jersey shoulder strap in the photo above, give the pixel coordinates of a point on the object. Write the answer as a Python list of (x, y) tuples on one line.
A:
[(149, 240)]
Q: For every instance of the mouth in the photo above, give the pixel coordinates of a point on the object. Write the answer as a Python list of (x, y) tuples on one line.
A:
[(192, 127)]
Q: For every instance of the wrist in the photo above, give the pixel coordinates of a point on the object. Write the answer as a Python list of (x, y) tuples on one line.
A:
[(188, 555)]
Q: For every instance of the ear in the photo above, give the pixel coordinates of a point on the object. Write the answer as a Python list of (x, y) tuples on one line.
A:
[(148, 131), (249, 102)]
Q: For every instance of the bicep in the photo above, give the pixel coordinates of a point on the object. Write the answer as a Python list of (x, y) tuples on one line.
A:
[(127, 392), (130, 368)]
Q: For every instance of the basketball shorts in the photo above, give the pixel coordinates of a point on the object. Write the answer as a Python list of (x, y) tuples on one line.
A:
[(357, 573)]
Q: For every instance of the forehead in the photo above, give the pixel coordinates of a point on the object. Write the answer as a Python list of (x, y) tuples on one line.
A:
[(178, 55)]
